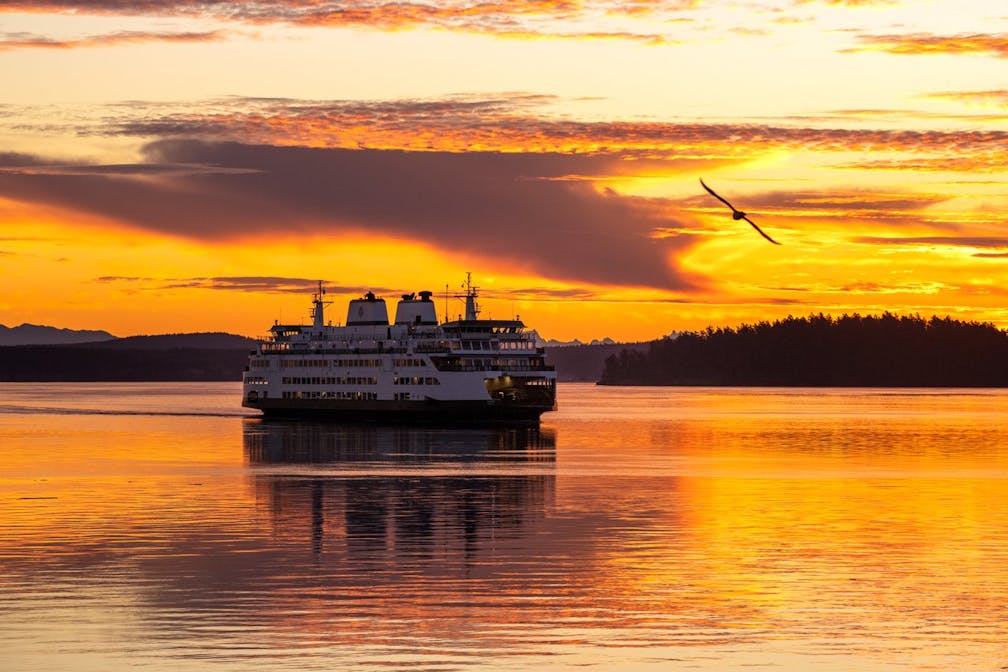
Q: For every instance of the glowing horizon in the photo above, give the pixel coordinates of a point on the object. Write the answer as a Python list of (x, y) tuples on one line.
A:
[(173, 167)]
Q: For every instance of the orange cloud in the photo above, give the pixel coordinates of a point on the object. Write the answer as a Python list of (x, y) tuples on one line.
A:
[(520, 123), (796, 207), (11, 41), (994, 242), (917, 44), (992, 97), (851, 3), (503, 18), (260, 284), (982, 161), (306, 286), (897, 115), (513, 123)]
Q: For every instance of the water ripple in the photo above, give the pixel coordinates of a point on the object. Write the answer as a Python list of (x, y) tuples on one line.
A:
[(636, 530)]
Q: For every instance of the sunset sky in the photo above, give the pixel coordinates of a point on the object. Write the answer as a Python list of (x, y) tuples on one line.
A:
[(198, 166)]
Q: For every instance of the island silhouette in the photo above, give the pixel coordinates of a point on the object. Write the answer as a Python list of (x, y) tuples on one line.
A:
[(821, 351)]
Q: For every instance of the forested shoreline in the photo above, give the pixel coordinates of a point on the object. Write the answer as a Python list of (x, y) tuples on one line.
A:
[(53, 363), (818, 351)]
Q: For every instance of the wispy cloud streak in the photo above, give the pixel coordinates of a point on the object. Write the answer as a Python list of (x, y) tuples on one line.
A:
[(990, 97), (260, 284), (302, 286), (993, 242), (503, 18), (12, 41), (863, 206), (924, 44), (514, 122)]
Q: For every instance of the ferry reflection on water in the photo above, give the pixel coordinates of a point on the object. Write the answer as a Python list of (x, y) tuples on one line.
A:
[(293, 442), (365, 490)]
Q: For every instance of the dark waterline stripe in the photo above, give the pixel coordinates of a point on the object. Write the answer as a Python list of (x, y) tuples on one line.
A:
[(45, 410)]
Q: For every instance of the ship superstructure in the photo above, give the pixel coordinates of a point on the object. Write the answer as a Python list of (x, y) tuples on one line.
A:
[(410, 370)]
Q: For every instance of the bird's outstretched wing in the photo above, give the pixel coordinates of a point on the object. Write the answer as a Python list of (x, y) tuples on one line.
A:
[(711, 192), (738, 214), (760, 231)]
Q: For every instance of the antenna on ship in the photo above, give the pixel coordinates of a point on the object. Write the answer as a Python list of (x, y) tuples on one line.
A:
[(472, 309), (319, 304)]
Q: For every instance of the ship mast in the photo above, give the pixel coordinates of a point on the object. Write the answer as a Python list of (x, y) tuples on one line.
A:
[(472, 309), (318, 307)]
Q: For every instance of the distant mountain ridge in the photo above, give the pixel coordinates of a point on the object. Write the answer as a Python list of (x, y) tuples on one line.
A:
[(553, 343), (164, 357), (585, 362), (37, 334), (210, 340)]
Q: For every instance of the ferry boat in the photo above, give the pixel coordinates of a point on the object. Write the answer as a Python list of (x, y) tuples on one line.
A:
[(413, 370)]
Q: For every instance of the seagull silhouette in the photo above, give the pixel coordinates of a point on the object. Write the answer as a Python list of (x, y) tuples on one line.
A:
[(738, 214)]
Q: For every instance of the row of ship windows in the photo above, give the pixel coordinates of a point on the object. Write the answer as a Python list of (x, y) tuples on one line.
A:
[(335, 363), (517, 345), (329, 380), (469, 364), (406, 363), (415, 380), (256, 380), (346, 380), (481, 364), (501, 345), (432, 346), (307, 394)]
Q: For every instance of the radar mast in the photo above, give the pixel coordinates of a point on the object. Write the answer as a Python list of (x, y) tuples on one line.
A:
[(318, 307), (472, 309)]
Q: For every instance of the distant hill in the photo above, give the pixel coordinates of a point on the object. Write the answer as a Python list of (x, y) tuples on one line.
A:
[(585, 363), (167, 357), (552, 343), (94, 363), (216, 340), (36, 334), (849, 351)]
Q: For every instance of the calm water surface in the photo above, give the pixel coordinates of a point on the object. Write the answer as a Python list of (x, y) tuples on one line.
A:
[(157, 526)]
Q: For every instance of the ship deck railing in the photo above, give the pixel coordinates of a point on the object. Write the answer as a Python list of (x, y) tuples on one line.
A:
[(469, 367), (393, 347)]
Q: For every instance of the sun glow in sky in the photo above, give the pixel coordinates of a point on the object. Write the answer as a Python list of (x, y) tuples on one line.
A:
[(197, 166)]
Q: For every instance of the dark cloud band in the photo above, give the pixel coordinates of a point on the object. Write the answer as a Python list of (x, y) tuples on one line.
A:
[(484, 204)]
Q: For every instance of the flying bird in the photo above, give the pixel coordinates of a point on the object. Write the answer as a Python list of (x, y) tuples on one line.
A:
[(738, 214)]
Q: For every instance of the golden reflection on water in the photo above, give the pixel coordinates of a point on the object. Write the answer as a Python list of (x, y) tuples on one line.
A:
[(636, 529)]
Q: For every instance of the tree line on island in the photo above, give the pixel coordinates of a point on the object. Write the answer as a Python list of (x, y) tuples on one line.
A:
[(165, 357), (821, 351)]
